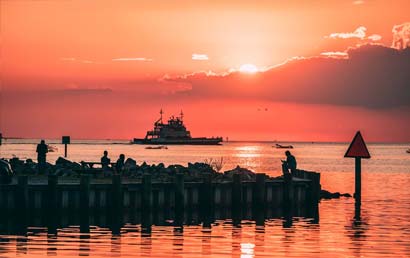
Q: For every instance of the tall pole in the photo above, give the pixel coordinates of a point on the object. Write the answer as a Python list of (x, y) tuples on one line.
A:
[(358, 180), (65, 150)]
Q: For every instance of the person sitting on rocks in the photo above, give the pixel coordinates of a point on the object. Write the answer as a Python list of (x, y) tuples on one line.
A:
[(119, 166), (289, 163)]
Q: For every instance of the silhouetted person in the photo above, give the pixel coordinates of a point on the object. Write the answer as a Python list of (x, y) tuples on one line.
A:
[(105, 161), (41, 150), (119, 166), (289, 163)]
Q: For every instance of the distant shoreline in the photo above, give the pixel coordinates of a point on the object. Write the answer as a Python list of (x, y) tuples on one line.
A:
[(127, 141)]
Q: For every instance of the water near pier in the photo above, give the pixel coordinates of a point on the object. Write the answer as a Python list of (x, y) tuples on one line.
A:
[(383, 229)]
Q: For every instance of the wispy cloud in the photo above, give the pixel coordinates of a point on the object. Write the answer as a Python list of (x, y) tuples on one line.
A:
[(139, 59), (71, 59), (358, 2), (334, 54), (375, 37), (200, 57), (358, 33)]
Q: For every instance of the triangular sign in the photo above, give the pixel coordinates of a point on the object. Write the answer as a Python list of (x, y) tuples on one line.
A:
[(357, 148)]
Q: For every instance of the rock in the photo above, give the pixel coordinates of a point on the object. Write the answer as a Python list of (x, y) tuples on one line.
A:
[(63, 162), (130, 165), (6, 173), (246, 174), (328, 195)]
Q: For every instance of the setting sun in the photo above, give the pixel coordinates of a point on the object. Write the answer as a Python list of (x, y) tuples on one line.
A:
[(248, 68)]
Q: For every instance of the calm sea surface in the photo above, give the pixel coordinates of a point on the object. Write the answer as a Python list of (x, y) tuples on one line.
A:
[(382, 231)]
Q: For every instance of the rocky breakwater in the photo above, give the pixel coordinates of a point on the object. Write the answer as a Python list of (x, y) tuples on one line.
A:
[(193, 172)]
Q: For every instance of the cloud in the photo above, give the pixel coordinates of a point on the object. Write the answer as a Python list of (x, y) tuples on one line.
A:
[(200, 57), (73, 59), (337, 54), (358, 2), (375, 37), (360, 33), (371, 76), (68, 59), (141, 59), (401, 36)]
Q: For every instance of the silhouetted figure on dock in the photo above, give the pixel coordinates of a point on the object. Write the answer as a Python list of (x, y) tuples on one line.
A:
[(41, 150), (105, 161), (289, 163), (119, 166)]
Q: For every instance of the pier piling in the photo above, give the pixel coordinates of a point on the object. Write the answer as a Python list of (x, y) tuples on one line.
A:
[(207, 201), (179, 199), (84, 204), (236, 196), (259, 191), (146, 203), (52, 203)]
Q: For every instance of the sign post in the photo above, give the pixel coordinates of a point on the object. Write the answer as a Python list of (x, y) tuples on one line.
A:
[(65, 140), (358, 150), (1, 138)]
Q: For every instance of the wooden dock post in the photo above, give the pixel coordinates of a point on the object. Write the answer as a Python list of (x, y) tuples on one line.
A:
[(116, 192), (236, 199), (146, 203), (287, 190), (259, 191), (116, 204), (52, 204), (207, 201), (85, 204), (259, 206), (179, 199), (21, 199), (22, 194)]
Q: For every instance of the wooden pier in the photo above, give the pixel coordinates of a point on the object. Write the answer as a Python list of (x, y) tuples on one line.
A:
[(172, 199)]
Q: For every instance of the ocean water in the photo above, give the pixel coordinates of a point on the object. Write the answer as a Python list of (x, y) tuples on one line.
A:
[(383, 229)]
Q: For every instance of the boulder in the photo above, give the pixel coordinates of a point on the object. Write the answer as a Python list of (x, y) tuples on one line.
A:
[(130, 165), (6, 173), (63, 162), (246, 174), (328, 195)]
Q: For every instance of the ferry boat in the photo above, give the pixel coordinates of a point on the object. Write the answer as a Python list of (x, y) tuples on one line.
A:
[(174, 132)]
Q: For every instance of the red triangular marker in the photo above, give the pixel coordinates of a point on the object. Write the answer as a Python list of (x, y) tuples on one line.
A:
[(357, 148)]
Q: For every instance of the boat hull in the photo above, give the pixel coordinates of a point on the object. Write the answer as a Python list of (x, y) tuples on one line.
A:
[(190, 141)]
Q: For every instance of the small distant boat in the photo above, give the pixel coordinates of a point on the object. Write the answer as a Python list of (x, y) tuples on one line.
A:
[(156, 147), (408, 151), (280, 146)]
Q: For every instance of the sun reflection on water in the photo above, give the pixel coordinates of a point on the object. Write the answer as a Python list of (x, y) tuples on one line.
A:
[(247, 250)]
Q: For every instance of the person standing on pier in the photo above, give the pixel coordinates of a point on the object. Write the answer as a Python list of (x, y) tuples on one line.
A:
[(105, 164), (41, 150), (289, 164), (105, 161)]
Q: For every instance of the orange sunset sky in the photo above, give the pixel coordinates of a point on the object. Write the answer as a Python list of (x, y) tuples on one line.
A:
[(249, 70)]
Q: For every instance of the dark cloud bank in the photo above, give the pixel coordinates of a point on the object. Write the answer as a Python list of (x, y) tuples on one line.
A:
[(373, 76)]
